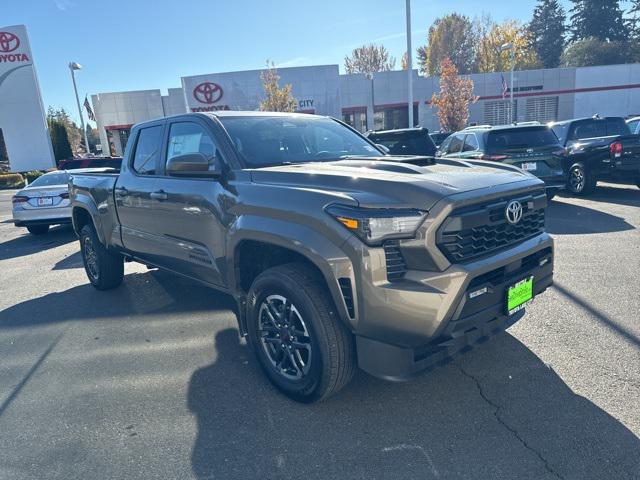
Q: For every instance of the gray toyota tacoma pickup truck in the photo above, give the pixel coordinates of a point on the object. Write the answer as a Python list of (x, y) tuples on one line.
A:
[(338, 255)]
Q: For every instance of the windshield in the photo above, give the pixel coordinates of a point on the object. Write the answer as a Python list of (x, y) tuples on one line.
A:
[(50, 180), (267, 141), (521, 138)]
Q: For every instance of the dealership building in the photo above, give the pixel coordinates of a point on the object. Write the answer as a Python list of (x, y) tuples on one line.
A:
[(380, 102)]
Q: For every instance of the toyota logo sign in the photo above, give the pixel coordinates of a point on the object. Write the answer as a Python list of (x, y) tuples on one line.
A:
[(513, 212), (8, 42), (207, 92)]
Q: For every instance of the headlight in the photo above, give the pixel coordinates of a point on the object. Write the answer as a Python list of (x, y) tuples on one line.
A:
[(373, 225)]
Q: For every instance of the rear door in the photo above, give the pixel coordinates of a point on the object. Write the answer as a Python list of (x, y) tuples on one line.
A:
[(190, 212), (133, 189)]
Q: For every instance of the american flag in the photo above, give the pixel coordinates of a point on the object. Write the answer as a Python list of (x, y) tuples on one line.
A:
[(505, 89), (87, 106)]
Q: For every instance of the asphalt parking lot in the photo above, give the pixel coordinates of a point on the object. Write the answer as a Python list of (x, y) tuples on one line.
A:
[(150, 380)]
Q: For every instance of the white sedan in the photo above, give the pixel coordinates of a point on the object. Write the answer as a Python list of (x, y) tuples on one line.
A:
[(43, 203)]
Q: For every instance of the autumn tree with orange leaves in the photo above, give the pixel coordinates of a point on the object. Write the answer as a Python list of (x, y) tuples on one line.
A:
[(454, 98)]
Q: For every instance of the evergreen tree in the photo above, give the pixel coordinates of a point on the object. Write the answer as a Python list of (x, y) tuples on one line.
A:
[(634, 20), (601, 19), (547, 30)]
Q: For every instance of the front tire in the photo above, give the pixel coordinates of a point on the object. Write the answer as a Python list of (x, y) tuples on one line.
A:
[(38, 229), (104, 269), (581, 181), (302, 346)]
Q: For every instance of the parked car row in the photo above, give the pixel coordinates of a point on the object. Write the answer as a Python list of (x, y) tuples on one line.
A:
[(572, 154)]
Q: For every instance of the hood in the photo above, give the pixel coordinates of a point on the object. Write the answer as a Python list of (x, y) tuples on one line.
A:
[(414, 182)]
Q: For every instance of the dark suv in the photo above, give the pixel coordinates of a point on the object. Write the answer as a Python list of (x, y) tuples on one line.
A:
[(532, 147), (405, 141)]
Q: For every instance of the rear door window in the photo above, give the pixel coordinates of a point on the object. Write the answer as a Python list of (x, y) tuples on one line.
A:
[(147, 151), (633, 126), (470, 143), (455, 146)]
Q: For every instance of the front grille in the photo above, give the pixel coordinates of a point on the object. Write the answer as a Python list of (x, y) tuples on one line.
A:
[(480, 230), (396, 266)]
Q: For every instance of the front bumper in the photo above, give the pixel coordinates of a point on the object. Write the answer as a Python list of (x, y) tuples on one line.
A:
[(428, 323)]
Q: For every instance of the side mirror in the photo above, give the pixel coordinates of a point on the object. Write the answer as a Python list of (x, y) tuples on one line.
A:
[(192, 165), (383, 148)]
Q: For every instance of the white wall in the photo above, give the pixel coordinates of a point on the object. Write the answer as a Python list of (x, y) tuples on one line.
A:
[(608, 102)]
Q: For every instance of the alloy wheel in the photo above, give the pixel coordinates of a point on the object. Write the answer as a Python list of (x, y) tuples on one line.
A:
[(284, 337), (91, 258), (576, 180)]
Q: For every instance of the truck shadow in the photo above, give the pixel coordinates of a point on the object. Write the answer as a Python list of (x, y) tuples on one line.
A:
[(498, 412), (28, 244), (152, 292), (569, 219)]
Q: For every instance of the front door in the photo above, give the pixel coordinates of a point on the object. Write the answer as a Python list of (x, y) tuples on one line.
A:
[(190, 212)]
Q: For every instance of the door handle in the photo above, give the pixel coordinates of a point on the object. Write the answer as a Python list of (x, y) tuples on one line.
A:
[(121, 192), (159, 195)]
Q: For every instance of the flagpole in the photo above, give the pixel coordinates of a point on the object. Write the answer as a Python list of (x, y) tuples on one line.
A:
[(409, 65)]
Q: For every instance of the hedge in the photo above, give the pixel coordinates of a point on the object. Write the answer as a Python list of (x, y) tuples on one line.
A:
[(11, 180)]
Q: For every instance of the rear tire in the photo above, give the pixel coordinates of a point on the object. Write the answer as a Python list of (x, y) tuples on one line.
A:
[(581, 181), (38, 229), (104, 269), (302, 346)]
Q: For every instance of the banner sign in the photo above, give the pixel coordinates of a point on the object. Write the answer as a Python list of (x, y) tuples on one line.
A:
[(22, 117)]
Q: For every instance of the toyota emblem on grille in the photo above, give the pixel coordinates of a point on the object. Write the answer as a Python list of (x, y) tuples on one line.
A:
[(513, 212)]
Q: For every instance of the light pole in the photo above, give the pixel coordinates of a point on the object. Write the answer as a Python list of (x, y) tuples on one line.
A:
[(73, 66), (409, 65), (512, 57)]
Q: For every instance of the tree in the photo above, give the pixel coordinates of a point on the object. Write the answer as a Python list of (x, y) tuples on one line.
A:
[(93, 137), (547, 30), (4, 156), (404, 61), (633, 22), (59, 139), (369, 59), (452, 102), (491, 57), (453, 37), (592, 51), (277, 99), (601, 19), (74, 133)]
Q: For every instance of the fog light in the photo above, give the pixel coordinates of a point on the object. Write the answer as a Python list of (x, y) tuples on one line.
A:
[(544, 261)]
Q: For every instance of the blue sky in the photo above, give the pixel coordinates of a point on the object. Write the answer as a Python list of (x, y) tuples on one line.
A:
[(143, 44)]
